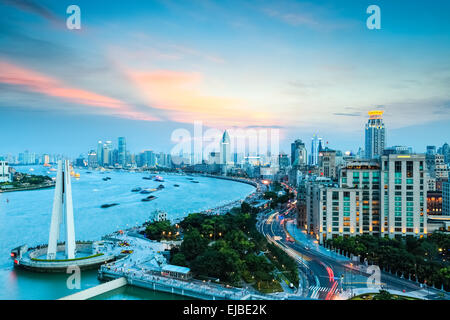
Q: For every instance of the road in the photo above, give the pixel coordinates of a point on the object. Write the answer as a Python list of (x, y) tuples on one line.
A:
[(326, 274), (319, 282)]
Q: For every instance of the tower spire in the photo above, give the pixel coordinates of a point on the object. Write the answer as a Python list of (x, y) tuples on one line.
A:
[(62, 210)]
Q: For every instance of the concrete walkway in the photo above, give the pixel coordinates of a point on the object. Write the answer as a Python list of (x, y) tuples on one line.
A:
[(97, 290)]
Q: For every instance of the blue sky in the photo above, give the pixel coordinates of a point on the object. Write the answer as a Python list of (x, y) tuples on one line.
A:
[(142, 69)]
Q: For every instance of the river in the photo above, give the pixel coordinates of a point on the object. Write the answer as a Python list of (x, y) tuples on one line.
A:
[(25, 219)]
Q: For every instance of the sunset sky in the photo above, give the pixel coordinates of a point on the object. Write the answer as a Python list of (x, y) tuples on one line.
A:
[(141, 69)]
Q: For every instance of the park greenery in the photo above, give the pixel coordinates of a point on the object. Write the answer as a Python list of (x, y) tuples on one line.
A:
[(21, 180), (278, 199), (382, 295), (228, 248), (424, 259), (161, 230)]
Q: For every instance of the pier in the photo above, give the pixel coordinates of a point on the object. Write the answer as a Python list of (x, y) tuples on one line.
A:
[(97, 290)]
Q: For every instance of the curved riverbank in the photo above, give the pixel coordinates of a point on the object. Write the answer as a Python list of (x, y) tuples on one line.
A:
[(25, 218), (28, 188)]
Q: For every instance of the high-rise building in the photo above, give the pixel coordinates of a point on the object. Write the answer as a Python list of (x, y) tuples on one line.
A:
[(147, 159), (107, 158), (283, 161), (446, 198), (4, 172), (385, 197), (225, 149), (375, 135), (440, 168), (403, 202), (100, 153), (445, 151), (315, 143), (92, 159), (327, 163), (122, 148), (298, 153), (430, 158)]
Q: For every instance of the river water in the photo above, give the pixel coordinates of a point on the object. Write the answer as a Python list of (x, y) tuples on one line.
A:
[(25, 219)]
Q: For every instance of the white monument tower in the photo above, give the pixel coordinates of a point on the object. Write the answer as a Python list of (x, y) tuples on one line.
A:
[(62, 212)]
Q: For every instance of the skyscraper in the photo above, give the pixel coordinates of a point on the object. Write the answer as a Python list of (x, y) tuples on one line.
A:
[(315, 143), (298, 153), (107, 158), (122, 145), (100, 153), (375, 135), (225, 152)]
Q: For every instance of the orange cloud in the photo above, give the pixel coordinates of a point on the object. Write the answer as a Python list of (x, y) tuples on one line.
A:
[(179, 94), (36, 82)]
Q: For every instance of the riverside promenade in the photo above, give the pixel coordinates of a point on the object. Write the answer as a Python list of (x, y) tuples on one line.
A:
[(138, 268)]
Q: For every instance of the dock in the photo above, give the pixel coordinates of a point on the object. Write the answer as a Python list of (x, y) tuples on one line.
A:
[(97, 290)]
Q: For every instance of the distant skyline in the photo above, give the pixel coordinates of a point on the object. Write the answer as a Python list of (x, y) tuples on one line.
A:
[(141, 69)]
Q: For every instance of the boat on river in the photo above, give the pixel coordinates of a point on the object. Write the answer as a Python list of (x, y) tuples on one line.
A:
[(108, 205), (149, 198)]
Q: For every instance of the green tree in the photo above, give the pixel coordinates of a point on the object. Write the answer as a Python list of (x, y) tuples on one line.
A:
[(193, 244), (179, 259), (383, 295)]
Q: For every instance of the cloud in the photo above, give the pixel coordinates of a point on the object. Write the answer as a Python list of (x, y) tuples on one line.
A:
[(30, 80), (182, 96), (294, 19), (346, 114), (307, 15), (33, 7)]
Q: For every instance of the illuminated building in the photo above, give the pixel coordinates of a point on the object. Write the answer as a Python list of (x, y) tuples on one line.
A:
[(403, 199), (375, 135), (434, 203), (316, 143), (378, 197), (446, 198)]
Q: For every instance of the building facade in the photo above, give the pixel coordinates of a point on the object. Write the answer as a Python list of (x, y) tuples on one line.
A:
[(299, 156), (403, 202), (327, 163), (375, 135), (225, 149), (385, 197), (5, 175), (446, 198), (122, 151)]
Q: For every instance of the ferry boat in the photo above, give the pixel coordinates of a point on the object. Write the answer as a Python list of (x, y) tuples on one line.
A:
[(107, 205), (149, 198), (159, 179)]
